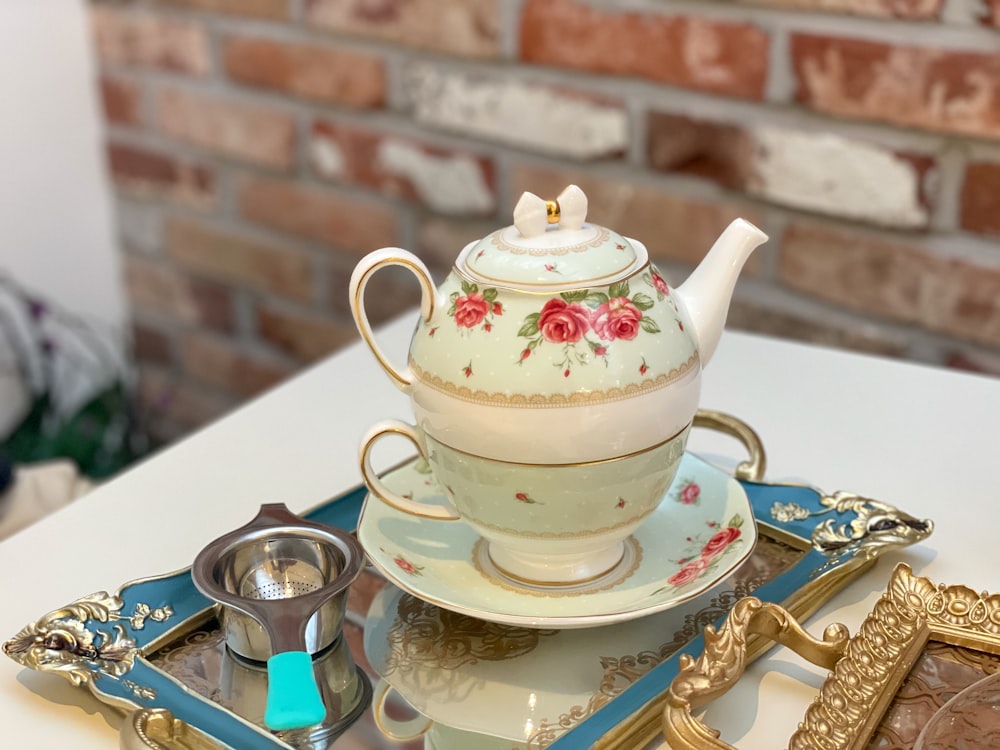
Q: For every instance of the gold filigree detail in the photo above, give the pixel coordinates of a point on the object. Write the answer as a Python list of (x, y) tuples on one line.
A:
[(553, 400), (601, 236), (432, 637), (60, 642), (875, 526), (143, 613), (428, 645), (140, 691)]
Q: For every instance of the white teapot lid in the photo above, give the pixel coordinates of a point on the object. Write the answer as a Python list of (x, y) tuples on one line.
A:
[(551, 245)]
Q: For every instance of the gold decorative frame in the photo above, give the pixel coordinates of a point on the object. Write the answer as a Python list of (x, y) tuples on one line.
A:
[(867, 670)]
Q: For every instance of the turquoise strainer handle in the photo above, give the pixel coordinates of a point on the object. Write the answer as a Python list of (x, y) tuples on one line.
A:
[(293, 699)]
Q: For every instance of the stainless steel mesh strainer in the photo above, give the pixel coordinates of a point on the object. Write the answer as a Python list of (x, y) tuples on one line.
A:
[(282, 583)]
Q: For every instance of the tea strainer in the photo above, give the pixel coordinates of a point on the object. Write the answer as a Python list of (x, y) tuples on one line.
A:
[(285, 579)]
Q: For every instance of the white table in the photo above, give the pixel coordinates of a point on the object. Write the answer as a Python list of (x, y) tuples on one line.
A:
[(923, 439)]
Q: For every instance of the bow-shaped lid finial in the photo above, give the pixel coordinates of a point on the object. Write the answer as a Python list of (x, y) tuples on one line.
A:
[(532, 214)]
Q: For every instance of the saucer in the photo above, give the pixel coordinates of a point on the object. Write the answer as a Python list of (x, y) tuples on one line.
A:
[(703, 529)]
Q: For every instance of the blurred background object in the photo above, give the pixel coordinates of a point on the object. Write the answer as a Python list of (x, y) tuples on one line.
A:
[(65, 400), (71, 387), (255, 149)]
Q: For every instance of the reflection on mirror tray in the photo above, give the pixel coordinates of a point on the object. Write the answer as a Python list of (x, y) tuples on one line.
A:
[(969, 720), (204, 663)]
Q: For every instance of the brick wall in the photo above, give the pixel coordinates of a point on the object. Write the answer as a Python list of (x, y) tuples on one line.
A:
[(258, 148)]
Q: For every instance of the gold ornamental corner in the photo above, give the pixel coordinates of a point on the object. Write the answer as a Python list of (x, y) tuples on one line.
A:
[(66, 642), (866, 670)]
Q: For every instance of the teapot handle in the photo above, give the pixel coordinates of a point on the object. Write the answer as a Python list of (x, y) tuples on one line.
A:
[(388, 256)]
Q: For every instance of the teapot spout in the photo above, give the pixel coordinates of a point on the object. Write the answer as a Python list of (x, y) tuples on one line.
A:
[(708, 290)]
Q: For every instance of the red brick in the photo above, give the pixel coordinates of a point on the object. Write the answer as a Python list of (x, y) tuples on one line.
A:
[(325, 74), (983, 364), (268, 9), (164, 396), (307, 337), (390, 292), (563, 121), (221, 364), (233, 258), (164, 290), (862, 180), (251, 133), (215, 304), (992, 12), (341, 221), (148, 174), (697, 53), (461, 27), (672, 226), (151, 345), (915, 9), (121, 100), (931, 88), (980, 210), (446, 180), (717, 151), (440, 239), (125, 37), (895, 280)]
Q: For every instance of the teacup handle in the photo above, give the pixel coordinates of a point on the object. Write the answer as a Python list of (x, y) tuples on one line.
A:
[(388, 256), (383, 493), (394, 729)]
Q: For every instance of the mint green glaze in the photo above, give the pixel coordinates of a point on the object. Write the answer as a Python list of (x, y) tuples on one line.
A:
[(293, 699), (567, 258), (552, 502), (601, 341)]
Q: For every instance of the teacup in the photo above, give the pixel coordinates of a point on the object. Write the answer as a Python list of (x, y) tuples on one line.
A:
[(545, 523)]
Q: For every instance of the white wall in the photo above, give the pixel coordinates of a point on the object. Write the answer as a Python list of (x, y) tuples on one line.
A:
[(56, 226)]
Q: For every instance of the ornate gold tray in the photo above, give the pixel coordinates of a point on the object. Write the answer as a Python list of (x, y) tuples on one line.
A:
[(125, 647), (919, 646)]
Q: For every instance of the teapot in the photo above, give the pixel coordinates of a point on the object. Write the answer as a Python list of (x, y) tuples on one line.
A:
[(554, 340), (553, 343)]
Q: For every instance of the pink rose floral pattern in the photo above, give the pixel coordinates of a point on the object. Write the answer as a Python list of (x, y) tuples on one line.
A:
[(585, 322), (405, 565), (688, 493), (656, 280), (705, 552), (475, 308)]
